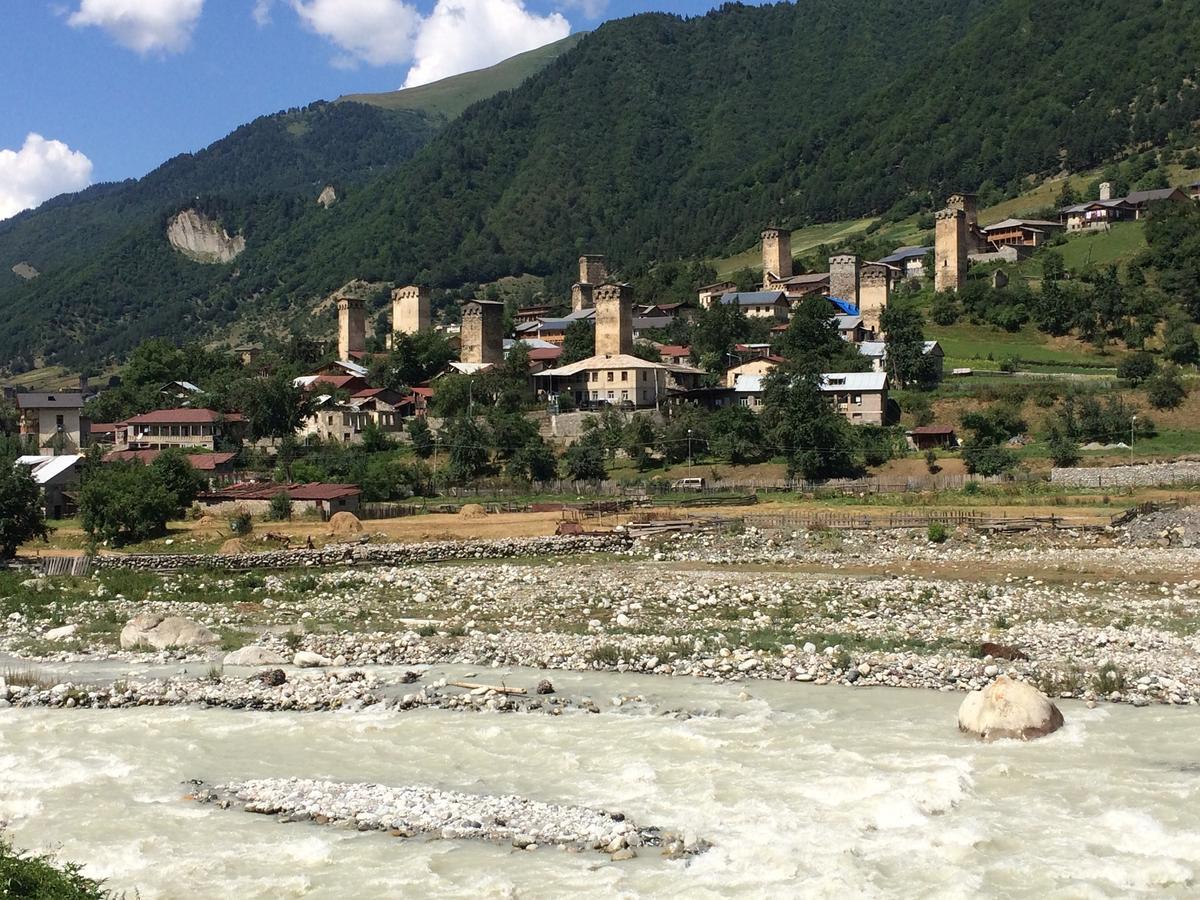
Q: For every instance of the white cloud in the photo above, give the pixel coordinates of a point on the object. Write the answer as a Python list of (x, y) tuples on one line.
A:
[(457, 36), (378, 32), (41, 169), (262, 12), (460, 35), (142, 25)]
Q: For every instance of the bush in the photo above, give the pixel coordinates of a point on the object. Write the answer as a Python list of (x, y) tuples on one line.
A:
[(281, 507), (931, 461), (1137, 367), (240, 521), (1166, 389), (937, 533), (945, 309), (39, 878)]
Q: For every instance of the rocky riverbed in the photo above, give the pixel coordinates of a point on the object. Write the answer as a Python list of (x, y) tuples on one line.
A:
[(819, 607), (410, 811)]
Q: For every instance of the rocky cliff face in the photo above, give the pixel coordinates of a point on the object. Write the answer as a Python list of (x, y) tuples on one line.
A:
[(328, 197), (203, 239)]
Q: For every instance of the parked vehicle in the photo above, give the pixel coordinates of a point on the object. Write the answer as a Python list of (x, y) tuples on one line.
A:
[(688, 484)]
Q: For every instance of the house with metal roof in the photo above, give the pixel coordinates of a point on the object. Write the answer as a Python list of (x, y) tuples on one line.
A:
[(876, 351), (1021, 232), (909, 260), (618, 380), (862, 397), (762, 304), (57, 476), (184, 428)]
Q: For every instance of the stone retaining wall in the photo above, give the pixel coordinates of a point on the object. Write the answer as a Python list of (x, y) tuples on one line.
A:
[(370, 554), (1146, 475)]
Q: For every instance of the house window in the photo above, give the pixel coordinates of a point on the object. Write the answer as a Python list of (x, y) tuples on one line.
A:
[(610, 376), (610, 395), (643, 375), (856, 399), (624, 376), (58, 422), (624, 395)]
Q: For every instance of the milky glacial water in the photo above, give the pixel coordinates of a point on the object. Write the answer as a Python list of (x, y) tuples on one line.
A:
[(803, 790)]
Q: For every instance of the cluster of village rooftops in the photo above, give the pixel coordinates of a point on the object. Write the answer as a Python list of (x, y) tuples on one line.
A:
[(857, 292)]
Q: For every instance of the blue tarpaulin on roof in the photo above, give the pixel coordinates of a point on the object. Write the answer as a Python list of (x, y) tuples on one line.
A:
[(845, 306)]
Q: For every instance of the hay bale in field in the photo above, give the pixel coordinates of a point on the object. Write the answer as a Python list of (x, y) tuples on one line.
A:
[(344, 523), (472, 511), (232, 547)]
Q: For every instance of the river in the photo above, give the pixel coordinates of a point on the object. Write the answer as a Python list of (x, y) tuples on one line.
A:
[(803, 790)]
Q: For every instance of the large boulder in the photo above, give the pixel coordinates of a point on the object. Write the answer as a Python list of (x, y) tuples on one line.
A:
[(254, 655), (62, 634), (158, 632), (1008, 709)]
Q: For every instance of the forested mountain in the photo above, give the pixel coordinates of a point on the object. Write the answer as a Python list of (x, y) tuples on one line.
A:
[(658, 137)]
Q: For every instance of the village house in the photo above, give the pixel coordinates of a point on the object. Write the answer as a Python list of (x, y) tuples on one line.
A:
[(759, 367), (712, 293), (332, 420), (876, 351), (675, 354), (853, 329), (182, 391), (1193, 190), (1021, 233), (183, 428), (862, 397), (213, 466), (57, 476), (760, 304), (619, 380), (255, 497), (1106, 210), (385, 408), (52, 421), (909, 260), (931, 437)]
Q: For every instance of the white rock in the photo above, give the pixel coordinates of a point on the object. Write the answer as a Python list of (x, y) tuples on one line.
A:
[(151, 630), (254, 655), (61, 634), (1008, 709), (305, 659)]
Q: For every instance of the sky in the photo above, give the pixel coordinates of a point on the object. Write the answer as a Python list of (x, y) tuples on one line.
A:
[(102, 90)]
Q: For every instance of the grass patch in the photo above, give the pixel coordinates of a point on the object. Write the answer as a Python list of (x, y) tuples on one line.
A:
[(605, 655)]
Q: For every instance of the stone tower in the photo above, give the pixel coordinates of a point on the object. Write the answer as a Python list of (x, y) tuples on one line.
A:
[(969, 205), (776, 255), (950, 249), (593, 271), (845, 273), (411, 309), (352, 327), (1106, 190), (482, 332), (875, 290), (614, 319)]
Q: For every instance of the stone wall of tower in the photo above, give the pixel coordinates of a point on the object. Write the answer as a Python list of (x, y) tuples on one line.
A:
[(593, 269), (969, 205), (950, 249), (875, 290), (352, 326), (776, 255), (411, 309), (581, 297), (845, 273), (482, 332), (614, 319)]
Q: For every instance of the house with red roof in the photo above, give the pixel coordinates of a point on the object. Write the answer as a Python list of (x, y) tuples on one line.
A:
[(183, 428)]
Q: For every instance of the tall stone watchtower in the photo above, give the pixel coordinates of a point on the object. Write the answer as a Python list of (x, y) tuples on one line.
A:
[(874, 293), (352, 327), (411, 309), (593, 271), (950, 249), (482, 332), (776, 255), (845, 273), (614, 319)]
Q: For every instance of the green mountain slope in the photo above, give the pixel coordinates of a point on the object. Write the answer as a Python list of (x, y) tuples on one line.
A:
[(658, 137), (450, 96)]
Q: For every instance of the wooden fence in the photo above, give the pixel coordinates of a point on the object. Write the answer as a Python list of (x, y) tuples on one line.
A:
[(850, 521), (66, 565)]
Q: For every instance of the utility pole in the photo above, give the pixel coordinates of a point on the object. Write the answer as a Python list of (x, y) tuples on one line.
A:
[(689, 448), (1132, 419)]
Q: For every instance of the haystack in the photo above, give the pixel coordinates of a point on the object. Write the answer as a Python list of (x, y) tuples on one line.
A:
[(232, 546), (344, 523), (472, 511)]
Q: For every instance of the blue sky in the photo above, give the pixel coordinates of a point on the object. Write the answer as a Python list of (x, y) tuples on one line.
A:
[(100, 90)]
